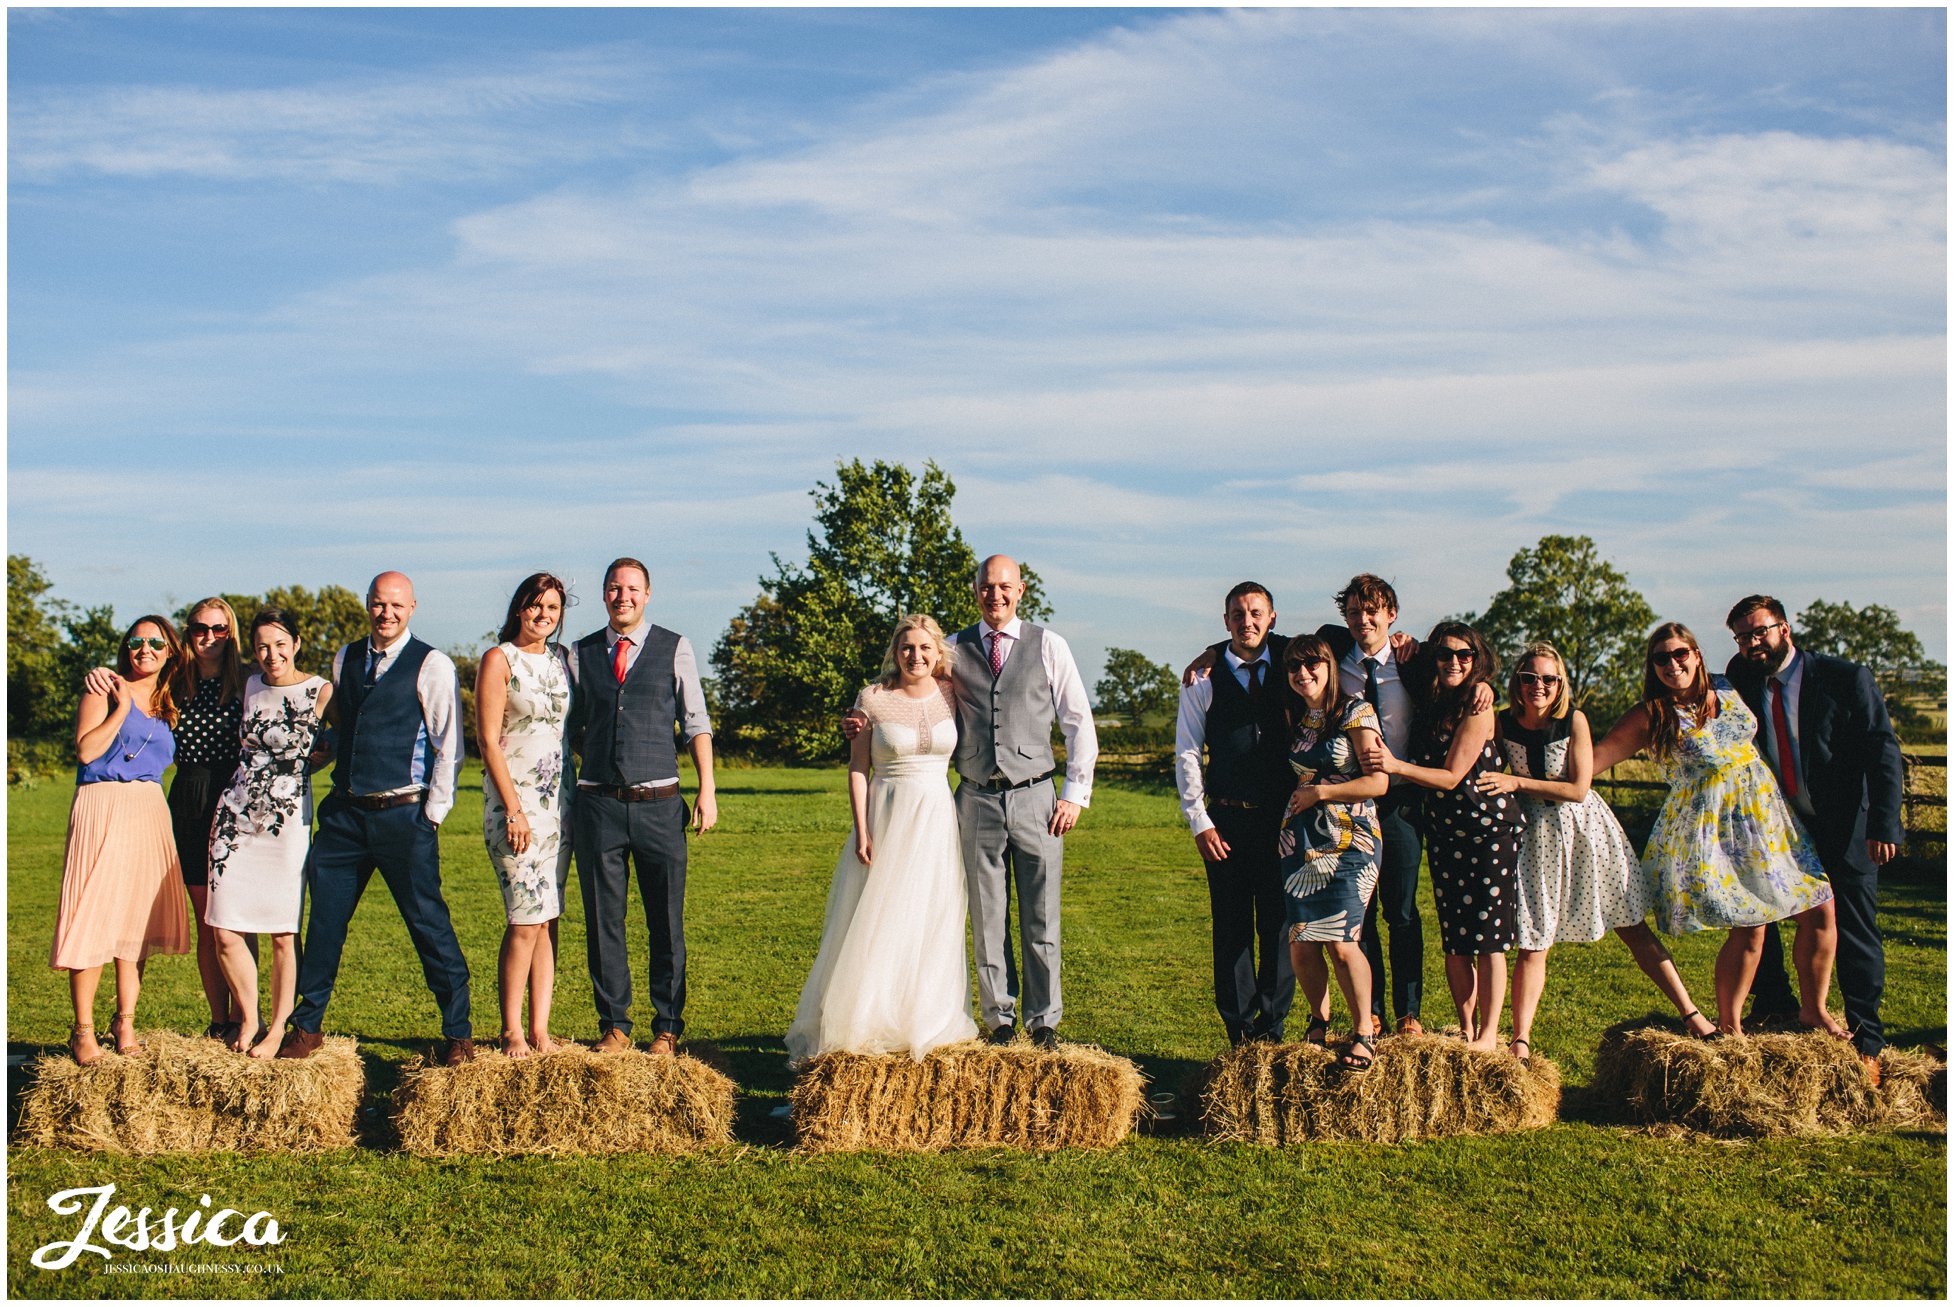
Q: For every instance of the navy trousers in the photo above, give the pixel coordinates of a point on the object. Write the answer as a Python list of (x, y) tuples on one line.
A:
[(1396, 900), (405, 848), (1254, 983), (611, 836)]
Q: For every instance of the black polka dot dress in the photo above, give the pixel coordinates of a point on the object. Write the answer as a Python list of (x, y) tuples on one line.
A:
[(206, 756), (1472, 843)]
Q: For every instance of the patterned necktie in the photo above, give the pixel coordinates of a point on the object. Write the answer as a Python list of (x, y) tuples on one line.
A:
[(1787, 760), (1370, 683), (372, 669), (618, 664), (997, 653)]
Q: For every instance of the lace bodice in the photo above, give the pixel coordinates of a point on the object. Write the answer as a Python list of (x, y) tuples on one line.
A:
[(908, 730)]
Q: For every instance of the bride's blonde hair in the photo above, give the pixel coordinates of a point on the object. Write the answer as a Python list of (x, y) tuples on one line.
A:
[(891, 674)]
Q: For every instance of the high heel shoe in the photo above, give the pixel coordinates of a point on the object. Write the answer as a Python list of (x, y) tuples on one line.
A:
[(75, 1033), (131, 1046)]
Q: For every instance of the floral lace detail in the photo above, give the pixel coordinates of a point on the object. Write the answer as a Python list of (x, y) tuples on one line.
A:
[(276, 734), (886, 707)]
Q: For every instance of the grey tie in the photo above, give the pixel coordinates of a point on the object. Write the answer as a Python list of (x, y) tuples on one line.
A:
[(1370, 683)]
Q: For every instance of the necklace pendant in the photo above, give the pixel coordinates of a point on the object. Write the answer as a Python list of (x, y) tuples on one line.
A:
[(128, 757)]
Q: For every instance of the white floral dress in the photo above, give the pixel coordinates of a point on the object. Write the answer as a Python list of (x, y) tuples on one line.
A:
[(534, 747), (263, 827)]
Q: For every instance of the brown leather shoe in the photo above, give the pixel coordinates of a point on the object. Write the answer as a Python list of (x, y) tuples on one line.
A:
[(1873, 1073), (456, 1051), (614, 1041), (1410, 1025), (663, 1044), (300, 1043)]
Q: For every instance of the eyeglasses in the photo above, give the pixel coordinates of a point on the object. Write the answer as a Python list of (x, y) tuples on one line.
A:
[(1537, 678), (1745, 639), (1447, 653), (156, 642), (1679, 655), (196, 629), (1310, 662)]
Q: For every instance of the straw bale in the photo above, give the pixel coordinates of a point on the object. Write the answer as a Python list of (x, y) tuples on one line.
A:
[(183, 1095), (1759, 1086), (968, 1095), (1419, 1087), (573, 1101)]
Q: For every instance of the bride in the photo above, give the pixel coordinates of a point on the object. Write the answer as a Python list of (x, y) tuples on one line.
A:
[(890, 977)]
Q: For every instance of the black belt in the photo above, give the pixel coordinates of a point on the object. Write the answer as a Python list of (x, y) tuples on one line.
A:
[(632, 793), (382, 802), (1243, 804), (989, 787)]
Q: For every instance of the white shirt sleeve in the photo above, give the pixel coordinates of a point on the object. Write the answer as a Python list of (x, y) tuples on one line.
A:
[(1190, 733), (691, 694), (1074, 713), (440, 691)]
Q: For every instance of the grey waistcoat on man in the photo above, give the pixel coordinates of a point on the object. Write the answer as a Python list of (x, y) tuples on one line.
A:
[(1005, 729)]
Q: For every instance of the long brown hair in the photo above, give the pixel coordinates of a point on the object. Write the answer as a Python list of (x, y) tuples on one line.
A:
[(1302, 647), (1663, 705), (162, 704), (1448, 705), (533, 587), (230, 672)]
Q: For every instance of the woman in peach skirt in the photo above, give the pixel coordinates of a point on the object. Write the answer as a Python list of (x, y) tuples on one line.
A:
[(121, 887)]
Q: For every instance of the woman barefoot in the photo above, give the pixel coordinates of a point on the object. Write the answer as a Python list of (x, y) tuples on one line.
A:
[(121, 886), (1725, 851), (1579, 876), (263, 830), (522, 698), (1328, 846), (1472, 838)]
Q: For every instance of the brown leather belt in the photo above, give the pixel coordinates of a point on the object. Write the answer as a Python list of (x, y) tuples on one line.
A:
[(632, 793), (382, 802)]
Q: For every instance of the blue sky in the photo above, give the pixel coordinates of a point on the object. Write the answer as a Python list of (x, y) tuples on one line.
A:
[(1176, 297)]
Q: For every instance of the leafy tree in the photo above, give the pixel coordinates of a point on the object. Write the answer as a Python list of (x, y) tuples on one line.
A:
[(34, 703), (1873, 635), (883, 544), (1135, 688), (329, 618), (1563, 591)]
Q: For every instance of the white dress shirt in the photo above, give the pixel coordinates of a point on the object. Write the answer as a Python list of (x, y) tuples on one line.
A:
[(1394, 706), (439, 690), (685, 683), (1191, 732), (1069, 703)]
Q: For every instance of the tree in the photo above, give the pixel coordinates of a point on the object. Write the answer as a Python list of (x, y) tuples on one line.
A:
[(328, 619), (34, 705), (1562, 591), (1873, 635), (1135, 688), (883, 545)]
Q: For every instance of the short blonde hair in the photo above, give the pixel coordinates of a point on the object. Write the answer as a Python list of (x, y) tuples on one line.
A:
[(891, 674), (1563, 699)]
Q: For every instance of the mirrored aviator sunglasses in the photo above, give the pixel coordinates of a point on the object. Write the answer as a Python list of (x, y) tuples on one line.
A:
[(156, 642)]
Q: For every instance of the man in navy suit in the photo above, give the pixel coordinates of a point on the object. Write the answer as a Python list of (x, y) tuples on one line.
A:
[(1823, 728)]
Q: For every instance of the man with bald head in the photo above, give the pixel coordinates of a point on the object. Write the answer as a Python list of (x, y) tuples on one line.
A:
[(394, 701), (1013, 680)]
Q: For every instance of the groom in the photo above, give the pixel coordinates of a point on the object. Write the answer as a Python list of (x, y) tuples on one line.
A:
[(1013, 679)]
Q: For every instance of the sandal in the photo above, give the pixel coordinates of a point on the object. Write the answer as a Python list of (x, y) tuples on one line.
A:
[(1318, 1032), (75, 1032), (1709, 1035), (1526, 1061), (1351, 1060), (131, 1046)]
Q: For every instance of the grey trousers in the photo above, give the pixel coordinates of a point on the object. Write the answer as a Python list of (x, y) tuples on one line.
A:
[(1007, 841), (611, 836)]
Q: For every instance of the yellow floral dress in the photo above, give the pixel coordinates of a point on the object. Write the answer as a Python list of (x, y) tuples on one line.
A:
[(1726, 851)]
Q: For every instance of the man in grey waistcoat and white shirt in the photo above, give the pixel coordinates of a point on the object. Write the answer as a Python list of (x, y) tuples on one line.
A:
[(634, 687), (1013, 679)]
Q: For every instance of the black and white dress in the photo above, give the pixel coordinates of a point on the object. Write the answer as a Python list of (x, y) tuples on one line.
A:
[(1472, 842), (263, 828), (1579, 876)]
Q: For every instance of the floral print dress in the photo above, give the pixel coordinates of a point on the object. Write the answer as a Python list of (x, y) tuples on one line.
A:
[(263, 827), (1327, 853), (1725, 850), (536, 751)]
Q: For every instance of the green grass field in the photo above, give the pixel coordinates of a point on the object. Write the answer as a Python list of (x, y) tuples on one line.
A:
[(1578, 1210)]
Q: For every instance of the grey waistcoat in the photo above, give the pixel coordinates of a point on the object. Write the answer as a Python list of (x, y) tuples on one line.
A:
[(1006, 723)]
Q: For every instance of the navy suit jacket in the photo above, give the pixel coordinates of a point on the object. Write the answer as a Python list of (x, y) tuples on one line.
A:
[(1850, 751)]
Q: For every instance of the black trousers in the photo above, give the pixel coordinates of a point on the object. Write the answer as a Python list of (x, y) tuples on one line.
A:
[(1860, 968), (405, 848), (1396, 901), (1254, 983), (611, 836)]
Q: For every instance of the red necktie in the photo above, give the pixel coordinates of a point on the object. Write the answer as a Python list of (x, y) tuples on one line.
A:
[(618, 665), (997, 653), (1787, 760)]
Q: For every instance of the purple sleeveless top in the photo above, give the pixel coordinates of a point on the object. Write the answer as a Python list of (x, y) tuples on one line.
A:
[(142, 749)]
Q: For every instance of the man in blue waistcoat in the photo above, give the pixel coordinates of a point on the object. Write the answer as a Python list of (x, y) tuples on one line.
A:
[(395, 702), (635, 686)]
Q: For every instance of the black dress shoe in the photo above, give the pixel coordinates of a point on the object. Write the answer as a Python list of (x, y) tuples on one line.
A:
[(1044, 1037), (1003, 1034)]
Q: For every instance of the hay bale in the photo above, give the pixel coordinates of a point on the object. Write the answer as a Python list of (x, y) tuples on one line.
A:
[(183, 1095), (969, 1095), (1419, 1087), (1758, 1086), (574, 1101)]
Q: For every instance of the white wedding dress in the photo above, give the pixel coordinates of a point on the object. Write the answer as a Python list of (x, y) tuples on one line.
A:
[(890, 977)]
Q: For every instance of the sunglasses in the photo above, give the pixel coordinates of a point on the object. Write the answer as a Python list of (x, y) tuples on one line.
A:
[(156, 642), (1537, 678), (217, 629), (1679, 656), (1449, 654), (1308, 662)]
